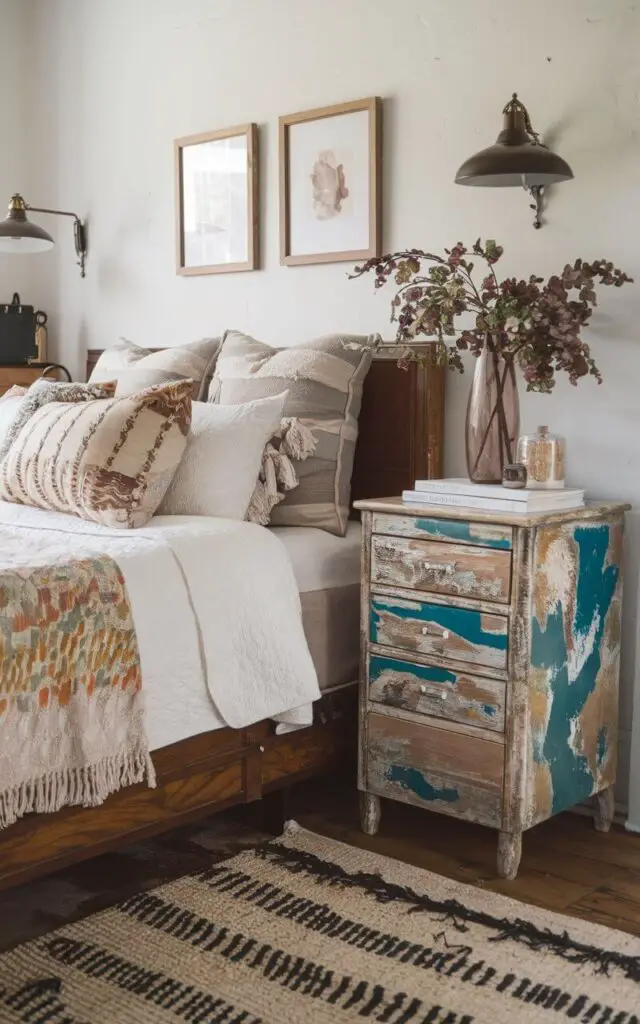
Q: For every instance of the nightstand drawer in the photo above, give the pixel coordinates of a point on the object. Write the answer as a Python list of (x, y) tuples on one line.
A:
[(438, 768), (455, 531), (440, 692), (456, 569), (461, 634)]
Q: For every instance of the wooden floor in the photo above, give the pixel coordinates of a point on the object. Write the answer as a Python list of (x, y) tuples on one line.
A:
[(566, 866)]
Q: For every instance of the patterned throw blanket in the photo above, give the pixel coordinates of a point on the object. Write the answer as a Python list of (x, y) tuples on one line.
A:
[(71, 716)]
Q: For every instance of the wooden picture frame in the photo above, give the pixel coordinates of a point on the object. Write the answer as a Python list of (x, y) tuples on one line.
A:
[(364, 218), (242, 249)]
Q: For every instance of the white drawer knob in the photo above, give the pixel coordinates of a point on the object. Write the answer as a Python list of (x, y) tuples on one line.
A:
[(445, 634), (440, 694), (425, 630)]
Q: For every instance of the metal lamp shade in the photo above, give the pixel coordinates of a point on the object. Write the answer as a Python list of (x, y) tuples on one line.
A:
[(514, 159), (19, 235)]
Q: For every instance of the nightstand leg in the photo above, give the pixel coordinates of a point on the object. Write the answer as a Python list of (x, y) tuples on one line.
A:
[(509, 853), (604, 810), (370, 810)]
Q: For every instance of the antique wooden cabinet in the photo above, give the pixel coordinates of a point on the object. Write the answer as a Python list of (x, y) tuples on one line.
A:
[(489, 663)]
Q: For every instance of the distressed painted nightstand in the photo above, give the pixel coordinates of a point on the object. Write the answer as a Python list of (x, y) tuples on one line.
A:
[(489, 664)]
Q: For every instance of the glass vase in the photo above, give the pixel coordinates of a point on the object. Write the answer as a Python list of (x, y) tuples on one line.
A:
[(493, 416)]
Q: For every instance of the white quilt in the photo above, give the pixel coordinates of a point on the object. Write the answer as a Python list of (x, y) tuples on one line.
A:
[(216, 610)]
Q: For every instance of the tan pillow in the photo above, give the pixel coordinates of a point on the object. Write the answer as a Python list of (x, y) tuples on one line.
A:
[(109, 461), (135, 368), (15, 391), (324, 381)]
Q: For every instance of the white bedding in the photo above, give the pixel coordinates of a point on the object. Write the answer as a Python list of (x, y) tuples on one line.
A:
[(216, 610), (320, 560)]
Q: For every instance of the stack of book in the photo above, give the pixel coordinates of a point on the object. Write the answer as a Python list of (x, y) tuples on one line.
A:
[(491, 497)]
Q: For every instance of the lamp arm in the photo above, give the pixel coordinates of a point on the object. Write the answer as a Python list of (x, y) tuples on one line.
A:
[(60, 213), (79, 231)]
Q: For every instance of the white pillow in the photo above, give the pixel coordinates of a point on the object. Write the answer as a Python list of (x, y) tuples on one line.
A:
[(219, 469)]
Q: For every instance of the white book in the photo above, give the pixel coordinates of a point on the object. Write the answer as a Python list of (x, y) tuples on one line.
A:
[(461, 485), (502, 504)]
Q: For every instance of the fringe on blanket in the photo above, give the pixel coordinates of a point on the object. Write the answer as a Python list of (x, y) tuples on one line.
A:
[(88, 786), (277, 472)]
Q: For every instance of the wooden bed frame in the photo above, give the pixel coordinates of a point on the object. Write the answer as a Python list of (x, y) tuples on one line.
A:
[(401, 434)]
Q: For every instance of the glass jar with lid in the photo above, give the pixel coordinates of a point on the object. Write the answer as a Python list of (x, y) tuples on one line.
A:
[(543, 454)]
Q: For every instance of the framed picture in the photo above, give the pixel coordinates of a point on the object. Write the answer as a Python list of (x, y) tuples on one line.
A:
[(217, 201), (330, 187)]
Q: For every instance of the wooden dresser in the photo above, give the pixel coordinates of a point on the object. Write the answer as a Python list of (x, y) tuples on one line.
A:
[(23, 375), (489, 664)]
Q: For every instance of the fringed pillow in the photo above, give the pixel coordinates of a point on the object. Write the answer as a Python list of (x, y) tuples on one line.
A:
[(277, 471), (324, 378)]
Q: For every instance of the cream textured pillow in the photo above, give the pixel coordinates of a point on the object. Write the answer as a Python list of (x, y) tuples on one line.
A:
[(135, 368), (324, 379), (109, 461), (43, 391), (219, 469)]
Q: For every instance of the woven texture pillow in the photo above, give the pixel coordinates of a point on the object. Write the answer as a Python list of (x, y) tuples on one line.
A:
[(135, 368), (324, 379), (109, 461), (43, 391)]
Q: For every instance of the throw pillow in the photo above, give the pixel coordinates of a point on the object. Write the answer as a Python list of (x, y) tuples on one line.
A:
[(15, 391), (219, 469), (9, 406), (135, 368), (43, 391), (109, 461), (324, 379)]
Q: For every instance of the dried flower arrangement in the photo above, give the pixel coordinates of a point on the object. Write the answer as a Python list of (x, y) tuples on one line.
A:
[(535, 324)]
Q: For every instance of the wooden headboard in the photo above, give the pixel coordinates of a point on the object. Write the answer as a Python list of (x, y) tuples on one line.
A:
[(401, 433)]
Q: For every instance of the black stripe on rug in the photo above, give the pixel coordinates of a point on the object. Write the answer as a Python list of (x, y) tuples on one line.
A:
[(317, 980), (292, 972), (517, 930)]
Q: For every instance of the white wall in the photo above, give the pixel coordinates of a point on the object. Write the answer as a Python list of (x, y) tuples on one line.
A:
[(117, 80), (15, 90)]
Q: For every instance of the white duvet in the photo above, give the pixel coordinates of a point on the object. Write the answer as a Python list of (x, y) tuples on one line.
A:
[(216, 610)]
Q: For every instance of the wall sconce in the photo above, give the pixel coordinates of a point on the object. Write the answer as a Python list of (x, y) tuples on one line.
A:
[(19, 235), (516, 158)]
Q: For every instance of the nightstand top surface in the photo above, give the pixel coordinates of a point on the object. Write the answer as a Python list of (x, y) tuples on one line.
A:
[(592, 510)]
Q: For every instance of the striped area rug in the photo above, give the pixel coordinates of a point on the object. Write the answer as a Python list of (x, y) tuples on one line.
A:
[(308, 930)]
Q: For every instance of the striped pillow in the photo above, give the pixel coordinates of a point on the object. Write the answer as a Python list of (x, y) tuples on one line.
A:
[(324, 379), (109, 460), (135, 368)]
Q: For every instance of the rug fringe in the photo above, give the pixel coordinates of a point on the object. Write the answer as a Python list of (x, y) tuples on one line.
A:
[(88, 786)]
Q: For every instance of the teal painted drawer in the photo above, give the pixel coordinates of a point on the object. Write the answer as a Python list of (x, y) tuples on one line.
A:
[(446, 771), (487, 535), (456, 569), (458, 633), (439, 692)]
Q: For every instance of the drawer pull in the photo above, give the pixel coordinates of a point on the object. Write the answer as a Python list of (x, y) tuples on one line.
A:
[(440, 694), (448, 568), (444, 635)]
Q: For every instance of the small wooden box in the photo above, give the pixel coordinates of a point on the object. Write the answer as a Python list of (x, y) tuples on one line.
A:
[(490, 654)]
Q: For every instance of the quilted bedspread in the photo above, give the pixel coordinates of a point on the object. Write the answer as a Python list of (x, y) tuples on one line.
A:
[(102, 631)]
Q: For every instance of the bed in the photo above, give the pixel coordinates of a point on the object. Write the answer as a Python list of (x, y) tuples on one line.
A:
[(213, 766)]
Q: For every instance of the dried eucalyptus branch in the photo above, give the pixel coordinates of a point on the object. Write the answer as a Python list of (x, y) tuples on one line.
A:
[(535, 323)]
